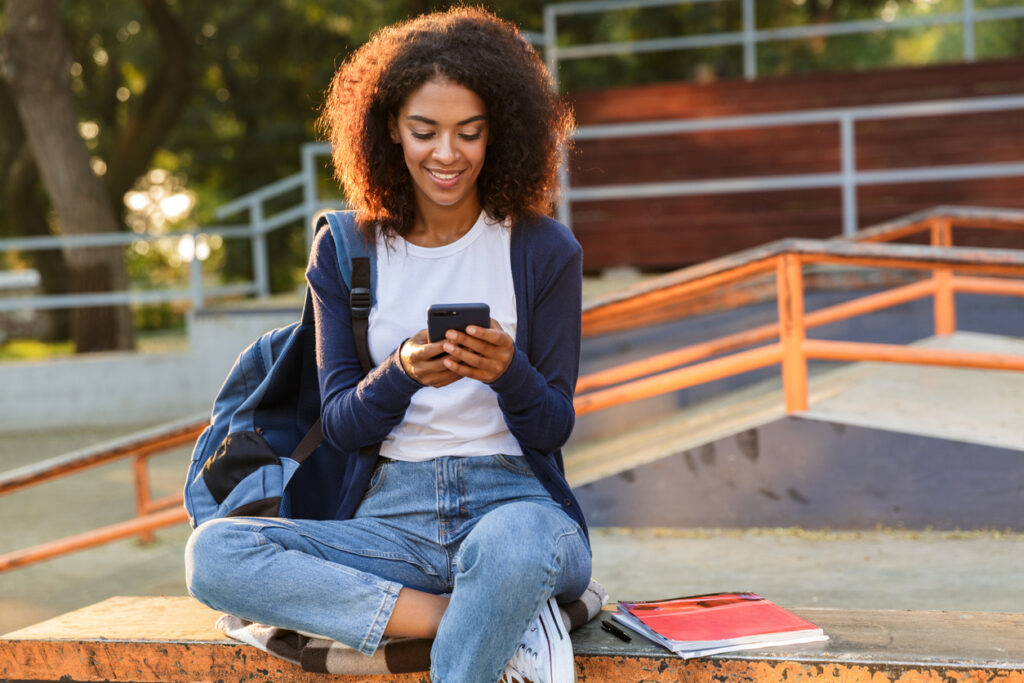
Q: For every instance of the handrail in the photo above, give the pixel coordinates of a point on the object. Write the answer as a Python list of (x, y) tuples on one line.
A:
[(600, 316), (707, 361), (786, 258), (750, 35), (847, 177), (255, 231), (147, 441), (150, 514)]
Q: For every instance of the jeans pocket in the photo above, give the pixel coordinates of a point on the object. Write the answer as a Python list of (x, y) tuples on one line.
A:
[(514, 463), (380, 471)]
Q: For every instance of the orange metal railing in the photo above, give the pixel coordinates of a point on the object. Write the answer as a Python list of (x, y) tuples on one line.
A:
[(947, 270), (950, 269), (150, 514)]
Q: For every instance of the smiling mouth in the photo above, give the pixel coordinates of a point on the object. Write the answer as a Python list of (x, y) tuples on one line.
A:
[(444, 176)]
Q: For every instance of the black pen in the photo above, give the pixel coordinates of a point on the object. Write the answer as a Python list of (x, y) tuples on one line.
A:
[(615, 631)]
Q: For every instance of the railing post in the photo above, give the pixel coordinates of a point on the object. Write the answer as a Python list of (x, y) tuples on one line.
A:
[(944, 299), (309, 193), (551, 42), (551, 57), (968, 24), (196, 273), (259, 251), (749, 40), (142, 496), (848, 160), (790, 287)]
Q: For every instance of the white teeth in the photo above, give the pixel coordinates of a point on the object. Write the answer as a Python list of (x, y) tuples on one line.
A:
[(444, 176)]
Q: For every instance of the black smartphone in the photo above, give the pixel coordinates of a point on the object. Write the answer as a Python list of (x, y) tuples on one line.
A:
[(444, 317)]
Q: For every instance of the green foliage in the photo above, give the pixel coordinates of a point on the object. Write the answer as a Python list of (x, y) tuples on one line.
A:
[(258, 71), (903, 47)]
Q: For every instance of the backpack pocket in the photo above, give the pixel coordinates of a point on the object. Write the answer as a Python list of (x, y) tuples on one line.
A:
[(243, 478), (238, 456)]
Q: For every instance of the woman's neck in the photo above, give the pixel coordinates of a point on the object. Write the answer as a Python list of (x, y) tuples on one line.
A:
[(436, 226)]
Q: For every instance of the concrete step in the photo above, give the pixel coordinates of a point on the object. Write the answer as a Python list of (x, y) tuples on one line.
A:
[(174, 639)]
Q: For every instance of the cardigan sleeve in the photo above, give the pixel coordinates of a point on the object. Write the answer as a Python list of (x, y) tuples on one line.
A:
[(535, 393), (356, 411)]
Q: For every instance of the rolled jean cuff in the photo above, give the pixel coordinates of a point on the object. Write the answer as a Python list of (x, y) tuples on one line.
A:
[(380, 620)]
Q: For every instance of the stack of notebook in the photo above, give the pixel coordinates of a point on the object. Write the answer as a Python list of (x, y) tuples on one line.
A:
[(702, 625)]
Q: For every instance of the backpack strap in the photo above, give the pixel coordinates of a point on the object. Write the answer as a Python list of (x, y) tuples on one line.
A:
[(356, 261)]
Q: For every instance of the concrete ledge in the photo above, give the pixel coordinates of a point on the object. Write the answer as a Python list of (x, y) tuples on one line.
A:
[(174, 639)]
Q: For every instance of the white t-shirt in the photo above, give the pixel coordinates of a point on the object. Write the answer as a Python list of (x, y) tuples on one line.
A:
[(462, 418)]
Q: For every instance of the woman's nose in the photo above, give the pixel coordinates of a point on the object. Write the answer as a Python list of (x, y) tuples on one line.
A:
[(445, 152)]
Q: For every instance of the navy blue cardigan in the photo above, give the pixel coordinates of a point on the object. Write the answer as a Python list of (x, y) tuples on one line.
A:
[(535, 393)]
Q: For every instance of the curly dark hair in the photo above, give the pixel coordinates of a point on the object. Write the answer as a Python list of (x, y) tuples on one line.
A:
[(528, 122)]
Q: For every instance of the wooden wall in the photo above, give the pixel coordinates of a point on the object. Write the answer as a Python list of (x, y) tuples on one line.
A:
[(675, 231)]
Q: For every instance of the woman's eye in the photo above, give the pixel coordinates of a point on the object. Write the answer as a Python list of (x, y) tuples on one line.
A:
[(470, 136), (422, 136)]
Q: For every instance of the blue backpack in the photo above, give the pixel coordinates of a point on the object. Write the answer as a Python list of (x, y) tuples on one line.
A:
[(264, 437)]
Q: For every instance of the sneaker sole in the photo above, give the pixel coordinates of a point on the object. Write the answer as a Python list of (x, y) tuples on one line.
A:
[(560, 645)]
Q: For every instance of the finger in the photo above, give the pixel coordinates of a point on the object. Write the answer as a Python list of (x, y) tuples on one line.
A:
[(486, 356), (426, 352), (474, 366), (429, 368), (492, 335), (458, 339), (484, 342)]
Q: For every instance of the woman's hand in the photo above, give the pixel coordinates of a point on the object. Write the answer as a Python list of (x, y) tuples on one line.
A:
[(424, 361), (479, 353)]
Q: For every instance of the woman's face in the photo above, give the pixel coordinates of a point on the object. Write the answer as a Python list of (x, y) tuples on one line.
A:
[(442, 128)]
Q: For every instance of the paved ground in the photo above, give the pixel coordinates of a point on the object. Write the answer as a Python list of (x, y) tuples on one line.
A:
[(888, 569)]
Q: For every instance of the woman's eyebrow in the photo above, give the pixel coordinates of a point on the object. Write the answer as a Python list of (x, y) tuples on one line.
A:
[(432, 122)]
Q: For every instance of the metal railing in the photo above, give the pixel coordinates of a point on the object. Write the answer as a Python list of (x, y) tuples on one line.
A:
[(952, 269), (749, 36), (948, 270), (150, 514), (259, 226), (847, 177)]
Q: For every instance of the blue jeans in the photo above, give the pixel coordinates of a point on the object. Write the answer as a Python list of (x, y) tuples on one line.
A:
[(482, 528)]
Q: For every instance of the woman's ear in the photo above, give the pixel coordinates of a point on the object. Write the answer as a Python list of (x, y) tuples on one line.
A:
[(393, 129)]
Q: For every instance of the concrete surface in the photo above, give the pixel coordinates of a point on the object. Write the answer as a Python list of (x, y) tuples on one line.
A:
[(119, 639), (877, 569), (975, 406), (121, 388)]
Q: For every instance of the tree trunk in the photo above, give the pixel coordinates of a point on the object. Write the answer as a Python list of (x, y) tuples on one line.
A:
[(26, 210), (37, 65)]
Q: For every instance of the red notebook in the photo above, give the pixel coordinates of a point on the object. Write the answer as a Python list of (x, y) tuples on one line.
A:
[(719, 622)]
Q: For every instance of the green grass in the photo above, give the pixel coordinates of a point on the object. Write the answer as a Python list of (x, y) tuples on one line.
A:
[(150, 341), (33, 349)]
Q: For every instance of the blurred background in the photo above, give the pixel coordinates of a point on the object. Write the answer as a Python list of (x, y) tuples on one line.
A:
[(159, 166), (186, 106)]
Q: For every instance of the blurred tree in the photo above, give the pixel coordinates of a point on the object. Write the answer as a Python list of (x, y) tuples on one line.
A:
[(222, 95), (37, 66)]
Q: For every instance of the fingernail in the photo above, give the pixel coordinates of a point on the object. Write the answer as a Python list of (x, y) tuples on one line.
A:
[(449, 347), (450, 334)]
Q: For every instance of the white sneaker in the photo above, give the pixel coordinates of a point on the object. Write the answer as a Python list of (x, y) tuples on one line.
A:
[(545, 655)]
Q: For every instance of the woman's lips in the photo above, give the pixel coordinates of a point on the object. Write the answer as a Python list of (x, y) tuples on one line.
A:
[(444, 178)]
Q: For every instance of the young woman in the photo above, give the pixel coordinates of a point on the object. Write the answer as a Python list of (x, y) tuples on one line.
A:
[(445, 134)]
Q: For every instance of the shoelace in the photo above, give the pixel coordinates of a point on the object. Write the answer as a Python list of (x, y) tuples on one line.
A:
[(519, 673)]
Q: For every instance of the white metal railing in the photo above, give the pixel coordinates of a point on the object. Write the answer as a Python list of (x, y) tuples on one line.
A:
[(750, 36), (197, 293), (847, 177)]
